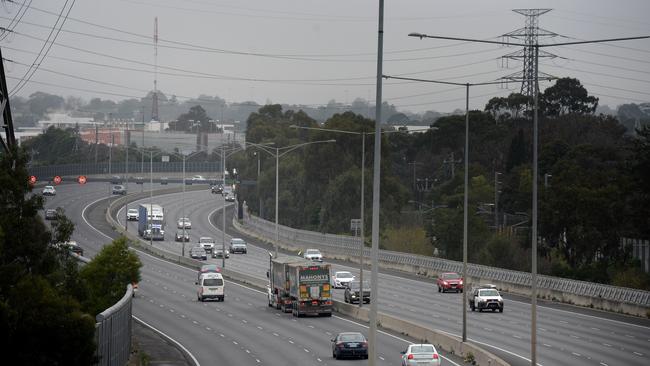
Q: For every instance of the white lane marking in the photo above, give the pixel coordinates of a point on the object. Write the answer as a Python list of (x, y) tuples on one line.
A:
[(235, 343), (262, 292), (196, 362), (604, 364), (547, 345), (607, 345), (290, 341), (638, 354), (576, 354), (381, 358), (305, 349)]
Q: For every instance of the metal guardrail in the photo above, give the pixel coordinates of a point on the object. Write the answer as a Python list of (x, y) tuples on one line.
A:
[(113, 332), (113, 329), (349, 245)]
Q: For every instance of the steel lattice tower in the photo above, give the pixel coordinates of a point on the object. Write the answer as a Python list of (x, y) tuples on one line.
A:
[(154, 101), (530, 34)]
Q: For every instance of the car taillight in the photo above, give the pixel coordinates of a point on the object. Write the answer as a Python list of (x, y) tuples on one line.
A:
[(340, 345), (410, 357), (328, 302), (435, 356), (315, 302)]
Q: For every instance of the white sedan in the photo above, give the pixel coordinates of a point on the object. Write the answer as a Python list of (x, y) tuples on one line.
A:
[(49, 191), (132, 214), (184, 222), (313, 255), (342, 279), (420, 355)]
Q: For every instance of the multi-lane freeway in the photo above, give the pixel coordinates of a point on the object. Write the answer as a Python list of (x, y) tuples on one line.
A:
[(244, 330)]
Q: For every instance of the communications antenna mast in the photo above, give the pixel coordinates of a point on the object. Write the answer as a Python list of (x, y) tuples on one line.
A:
[(154, 104), (530, 34)]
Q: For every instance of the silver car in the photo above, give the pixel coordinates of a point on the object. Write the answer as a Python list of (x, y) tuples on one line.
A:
[(184, 221), (420, 355)]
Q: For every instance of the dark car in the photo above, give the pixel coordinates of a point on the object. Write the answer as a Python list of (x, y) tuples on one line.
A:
[(198, 253), (352, 292), (139, 180), (72, 246), (209, 268), (164, 180), (116, 179), (180, 236), (216, 189), (119, 189), (350, 344), (450, 281)]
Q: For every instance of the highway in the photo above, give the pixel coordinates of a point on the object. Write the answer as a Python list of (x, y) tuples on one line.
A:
[(566, 335), (243, 329)]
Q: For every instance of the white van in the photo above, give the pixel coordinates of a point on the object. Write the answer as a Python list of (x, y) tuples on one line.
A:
[(210, 287)]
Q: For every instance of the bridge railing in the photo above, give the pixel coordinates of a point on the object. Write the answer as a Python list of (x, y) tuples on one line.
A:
[(135, 168), (349, 245)]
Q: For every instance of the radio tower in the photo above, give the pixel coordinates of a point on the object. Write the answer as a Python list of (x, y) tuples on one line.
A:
[(154, 98), (530, 35)]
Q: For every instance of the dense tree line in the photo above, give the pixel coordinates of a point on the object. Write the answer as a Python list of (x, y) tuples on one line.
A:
[(48, 303), (597, 188)]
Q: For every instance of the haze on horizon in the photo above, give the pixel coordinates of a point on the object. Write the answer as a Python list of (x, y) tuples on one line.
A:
[(310, 52)]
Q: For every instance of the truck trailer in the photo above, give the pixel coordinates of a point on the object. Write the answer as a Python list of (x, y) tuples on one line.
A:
[(300, 286), (151, 221)]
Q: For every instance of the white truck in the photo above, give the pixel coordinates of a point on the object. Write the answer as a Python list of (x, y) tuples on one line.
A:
[(151, 221)]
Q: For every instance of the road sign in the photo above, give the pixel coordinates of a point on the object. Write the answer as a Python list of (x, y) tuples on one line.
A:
[(57, 179), (32, 180), (355, 224), (165, 158), (81, 179)]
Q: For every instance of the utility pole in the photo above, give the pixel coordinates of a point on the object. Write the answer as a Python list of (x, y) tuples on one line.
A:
[(496, 202), (96, 141)]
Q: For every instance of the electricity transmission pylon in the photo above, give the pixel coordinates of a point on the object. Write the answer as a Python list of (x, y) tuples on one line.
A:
[(530, 35)]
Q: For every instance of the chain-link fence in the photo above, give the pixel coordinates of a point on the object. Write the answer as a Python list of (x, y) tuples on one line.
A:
[(349, 245), (135, 168)]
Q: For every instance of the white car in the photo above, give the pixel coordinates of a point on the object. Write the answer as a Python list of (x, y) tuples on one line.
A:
[(198, 178), (313, 255), (184, 222), (207, 243), (132, 214), (342, 279), (420, 355), (49, 191)]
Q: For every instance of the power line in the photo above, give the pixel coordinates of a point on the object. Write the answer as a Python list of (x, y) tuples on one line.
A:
[(37, 62)]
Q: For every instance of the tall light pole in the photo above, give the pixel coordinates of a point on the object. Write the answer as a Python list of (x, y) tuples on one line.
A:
[(278, 152), (183, 204), (126, 177), (376, 173), (533, 326), (150, 213)]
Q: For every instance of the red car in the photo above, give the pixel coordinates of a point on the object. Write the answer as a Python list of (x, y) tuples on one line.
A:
[(450, 281)]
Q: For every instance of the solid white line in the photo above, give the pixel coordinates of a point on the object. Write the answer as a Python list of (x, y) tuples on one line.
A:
[(196, 362)]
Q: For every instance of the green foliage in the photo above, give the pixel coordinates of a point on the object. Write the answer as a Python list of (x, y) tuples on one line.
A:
[(107, 275), (409, 239), (504, 252), (40, 291), (567, 96)]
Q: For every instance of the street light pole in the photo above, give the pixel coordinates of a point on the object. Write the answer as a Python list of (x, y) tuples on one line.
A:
[(376, 173), (223, 212), (150, 213), (277, 190), (183, 204), (361, 236), (465, 213), (126, 177)]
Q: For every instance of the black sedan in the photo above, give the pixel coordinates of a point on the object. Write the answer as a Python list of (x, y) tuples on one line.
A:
[(180, 236), (198, 253), (353, 294), (350, 344)]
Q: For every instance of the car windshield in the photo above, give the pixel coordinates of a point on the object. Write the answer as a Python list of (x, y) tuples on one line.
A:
[(312, 252), (198, 250), (423, 349), (450, 276), (343, 275), (489, 292), (212, 282), (351, 338), (133, 210), (355, 285), (184, 219), (206, 240), (237, 241), (49, 187)]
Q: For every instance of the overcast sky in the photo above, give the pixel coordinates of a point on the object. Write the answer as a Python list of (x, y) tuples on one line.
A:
[(313, 51)]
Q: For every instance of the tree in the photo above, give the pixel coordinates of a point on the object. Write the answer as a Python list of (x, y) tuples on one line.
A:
[(108, 274), (41, 318), (40, 103), (567, 96)]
